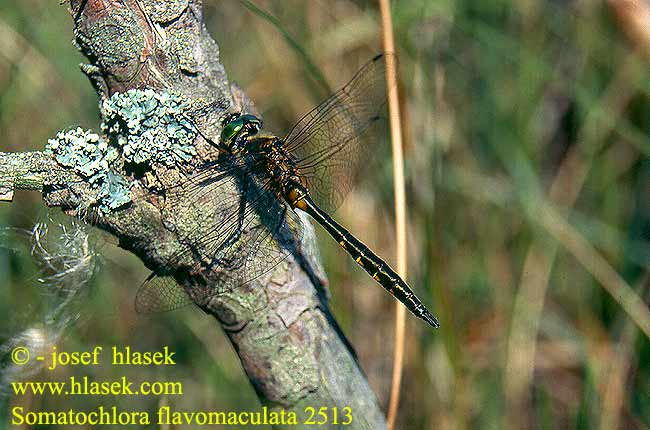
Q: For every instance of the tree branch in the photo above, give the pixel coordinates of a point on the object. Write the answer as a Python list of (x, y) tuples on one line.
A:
[(287, 341), (30, 171)]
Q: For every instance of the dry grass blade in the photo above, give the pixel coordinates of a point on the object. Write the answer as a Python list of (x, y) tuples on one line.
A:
[(400, 203)]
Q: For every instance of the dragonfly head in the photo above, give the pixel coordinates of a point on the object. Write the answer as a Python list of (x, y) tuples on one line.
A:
[(237, 128)]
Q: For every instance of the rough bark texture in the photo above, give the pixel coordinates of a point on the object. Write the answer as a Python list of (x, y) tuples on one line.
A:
[(285, 337)]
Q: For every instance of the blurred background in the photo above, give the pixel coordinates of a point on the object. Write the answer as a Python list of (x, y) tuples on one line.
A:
[(528, 179)]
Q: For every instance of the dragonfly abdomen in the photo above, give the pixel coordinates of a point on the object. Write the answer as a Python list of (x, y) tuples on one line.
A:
[(370, 262)]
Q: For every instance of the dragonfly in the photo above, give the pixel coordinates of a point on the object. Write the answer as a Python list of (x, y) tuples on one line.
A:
[(311, 169)]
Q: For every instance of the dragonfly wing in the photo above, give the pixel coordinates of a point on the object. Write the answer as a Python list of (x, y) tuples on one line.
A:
[(160, 294), (248, 234), (267, 233), (280, 237), (330, 143)]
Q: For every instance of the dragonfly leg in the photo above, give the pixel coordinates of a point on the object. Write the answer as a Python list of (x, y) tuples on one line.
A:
[(235, 235)]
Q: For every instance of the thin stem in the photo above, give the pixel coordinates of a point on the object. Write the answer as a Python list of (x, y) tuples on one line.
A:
[(400, 203)]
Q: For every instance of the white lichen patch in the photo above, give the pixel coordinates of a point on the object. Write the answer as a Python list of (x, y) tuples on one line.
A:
[(149, 127), (143, 128), (91, 157)]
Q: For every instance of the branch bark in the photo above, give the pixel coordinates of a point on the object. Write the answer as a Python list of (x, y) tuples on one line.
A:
[(288, 343), (31, 171)]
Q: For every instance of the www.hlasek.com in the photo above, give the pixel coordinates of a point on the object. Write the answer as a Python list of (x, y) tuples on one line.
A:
[(314, 417), (85, 386)]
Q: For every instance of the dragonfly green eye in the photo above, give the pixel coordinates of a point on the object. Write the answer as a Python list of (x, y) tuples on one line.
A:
[(246, 123), (231, 130)]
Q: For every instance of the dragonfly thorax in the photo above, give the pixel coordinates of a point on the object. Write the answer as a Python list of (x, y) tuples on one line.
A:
[(278, 165), (239, 136)]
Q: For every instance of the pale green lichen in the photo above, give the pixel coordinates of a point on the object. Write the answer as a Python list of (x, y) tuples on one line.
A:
[(82, 150), (143, 127), (149, 127), (114, 192), (90, 157)]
